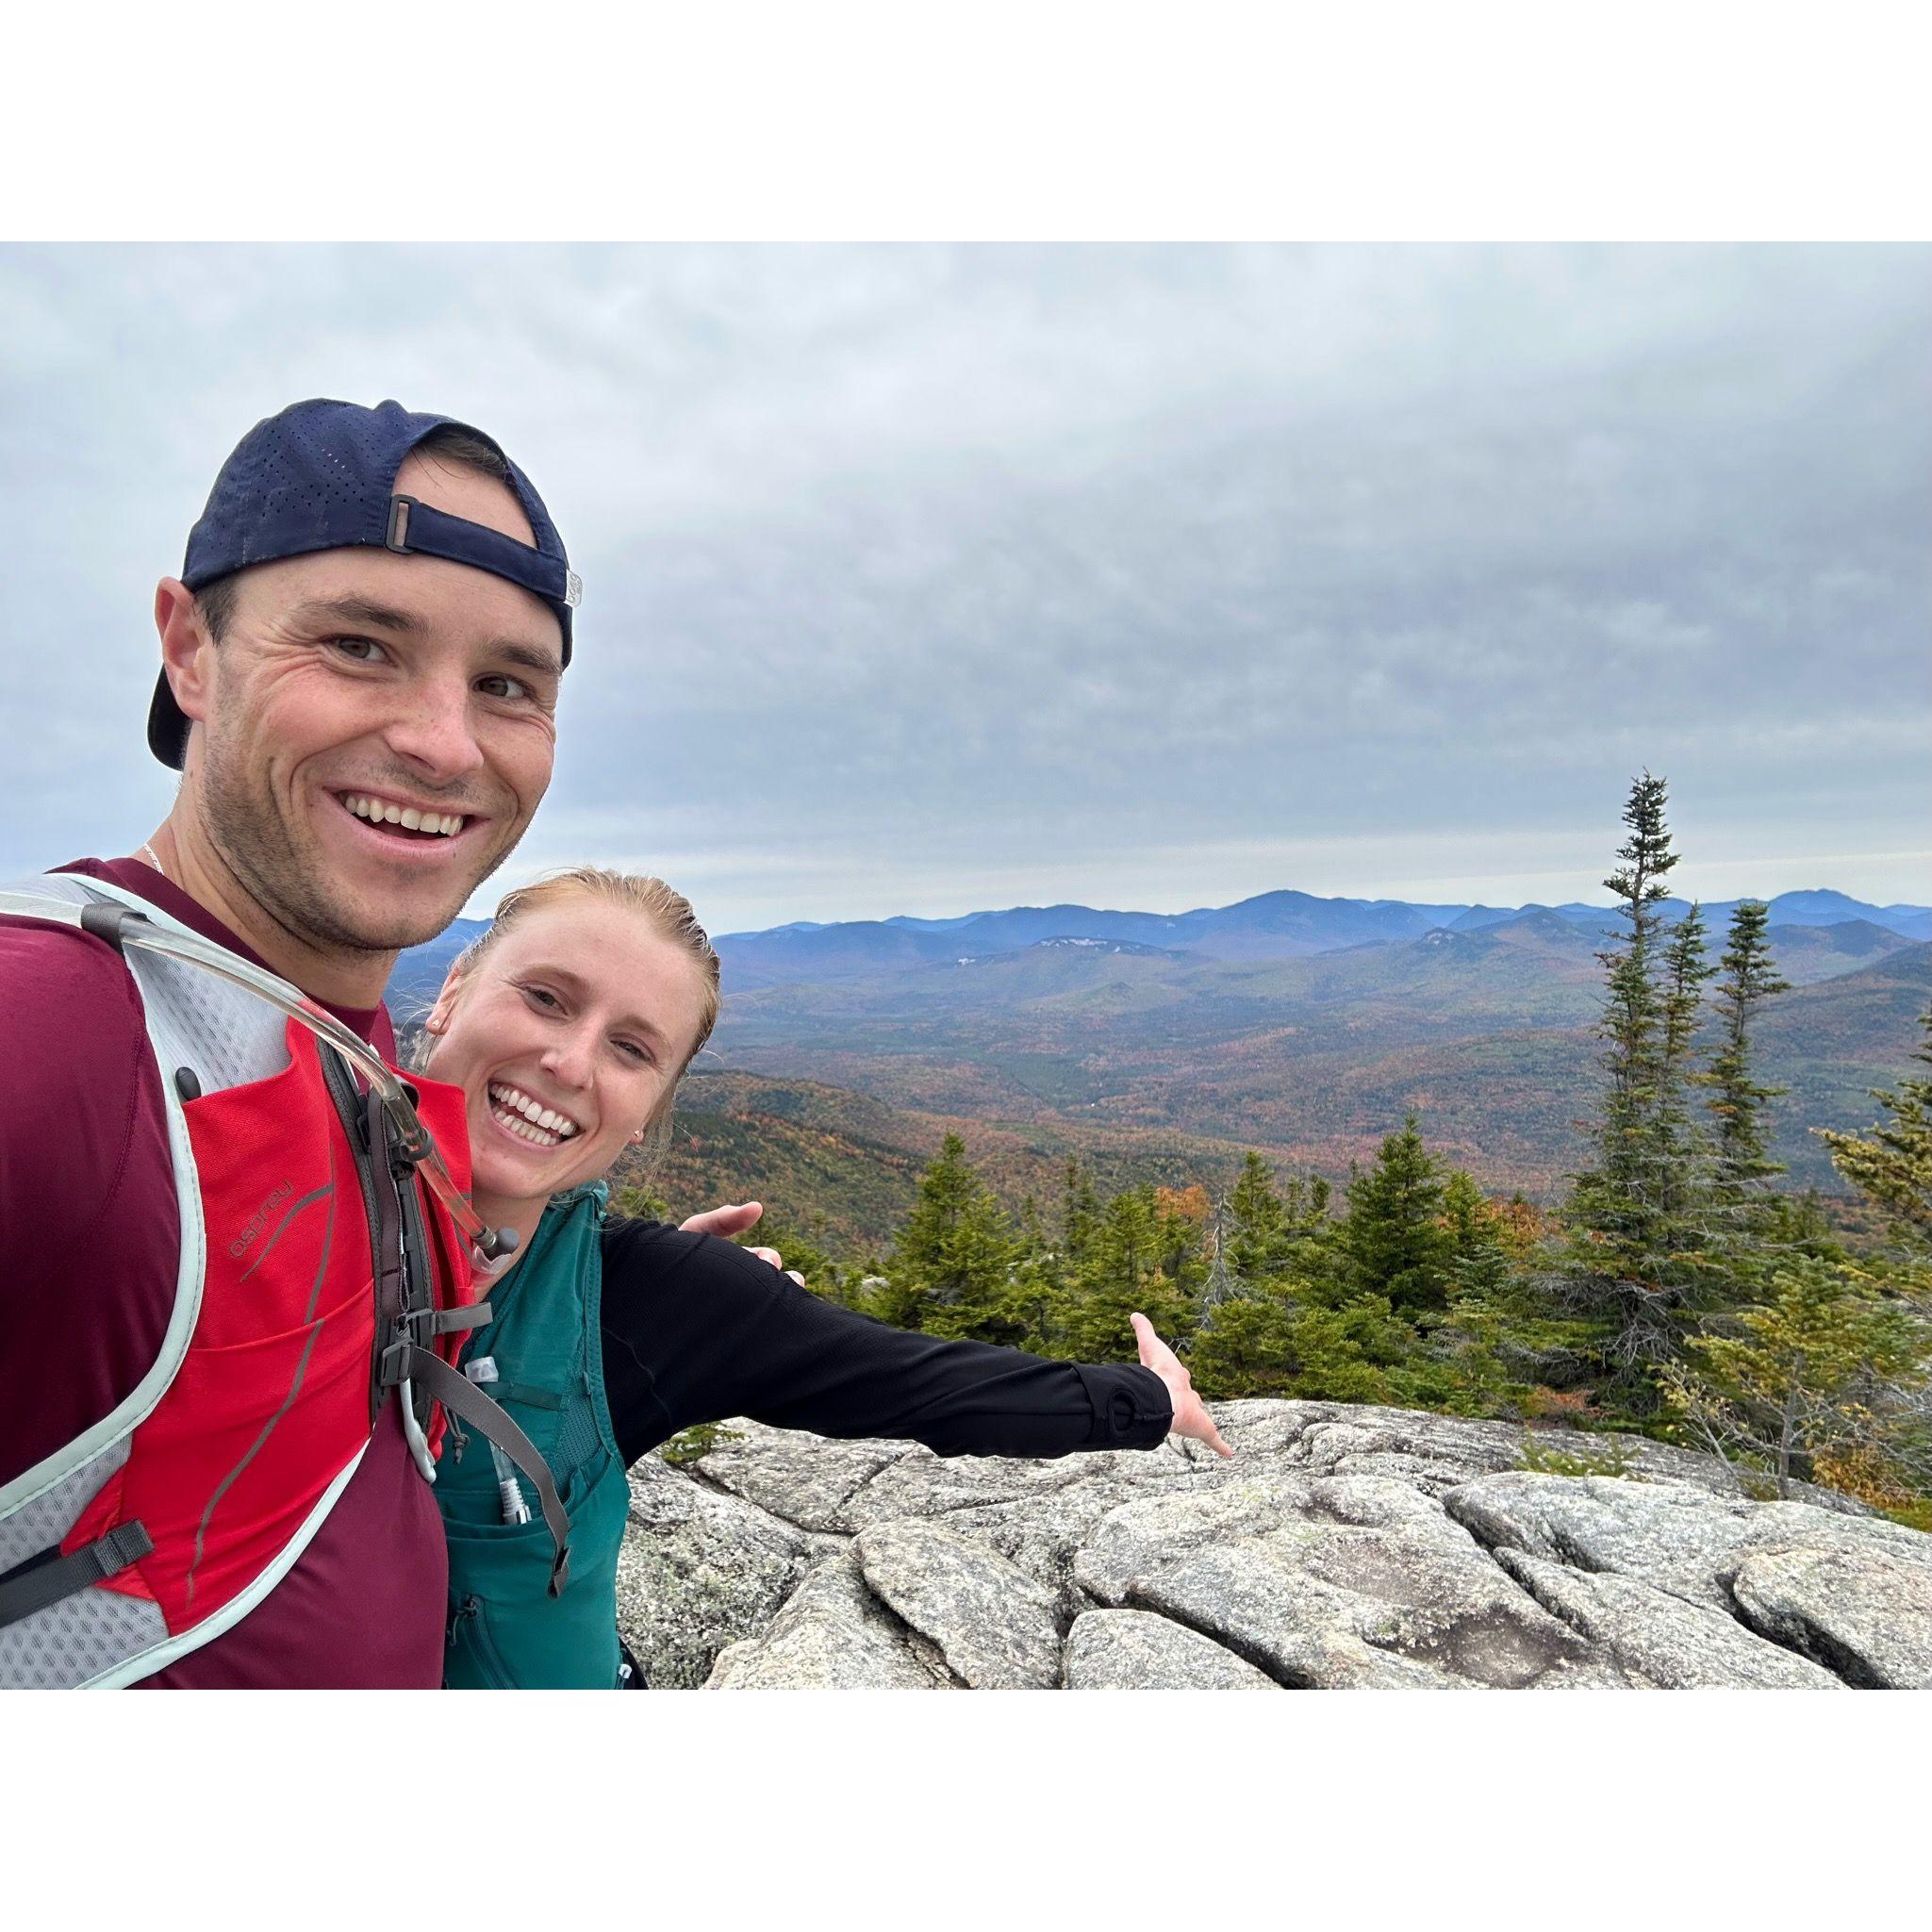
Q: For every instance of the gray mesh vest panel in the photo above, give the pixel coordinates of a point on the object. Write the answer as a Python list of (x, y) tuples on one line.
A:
[(228, 1037)]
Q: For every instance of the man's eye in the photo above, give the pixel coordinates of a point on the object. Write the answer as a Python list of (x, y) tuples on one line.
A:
[(503, 685), (363, 650)]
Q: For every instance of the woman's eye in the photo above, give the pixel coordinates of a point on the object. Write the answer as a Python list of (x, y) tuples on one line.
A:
[(635, 1052), (542, 996)]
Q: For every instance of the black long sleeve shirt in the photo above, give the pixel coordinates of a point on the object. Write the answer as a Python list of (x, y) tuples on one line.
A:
[(695, 1329)]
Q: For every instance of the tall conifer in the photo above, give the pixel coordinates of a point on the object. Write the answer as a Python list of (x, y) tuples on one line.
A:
[(1394, 1242), (952, 1263), (1742, 1164), (1638, 1214)]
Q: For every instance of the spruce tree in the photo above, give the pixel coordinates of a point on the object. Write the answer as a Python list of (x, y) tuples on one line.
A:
[(1742, 1162), (1811, 1373), (1121, 1274), (1633, 1277), (1079, 1210), (1623, 1195), (1246, 1346), (1891, 1164), (1256, 1224), (952, 1266), (1392, 1243), (1466, 1373)]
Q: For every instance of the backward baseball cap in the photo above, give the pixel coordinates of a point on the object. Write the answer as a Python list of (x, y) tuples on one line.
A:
[(321, 475)]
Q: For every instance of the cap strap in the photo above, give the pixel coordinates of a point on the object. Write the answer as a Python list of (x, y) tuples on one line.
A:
[(421, 528)]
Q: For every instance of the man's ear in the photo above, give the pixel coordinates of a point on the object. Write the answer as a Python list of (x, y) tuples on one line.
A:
[(187, 649)]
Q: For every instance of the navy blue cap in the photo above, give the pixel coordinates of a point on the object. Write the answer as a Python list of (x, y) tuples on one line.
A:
[(321, 475)]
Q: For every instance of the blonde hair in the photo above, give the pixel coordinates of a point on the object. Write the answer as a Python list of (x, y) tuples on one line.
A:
[(670, 918)]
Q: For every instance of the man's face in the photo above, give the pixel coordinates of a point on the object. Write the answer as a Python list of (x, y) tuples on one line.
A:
[(354, 686)]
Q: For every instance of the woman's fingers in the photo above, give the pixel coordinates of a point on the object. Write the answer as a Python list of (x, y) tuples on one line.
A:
[(732, 1218), (1154, 1353), (1191, 1417)]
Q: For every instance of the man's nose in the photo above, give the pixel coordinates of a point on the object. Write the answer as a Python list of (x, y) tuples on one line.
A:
[(436, 731)]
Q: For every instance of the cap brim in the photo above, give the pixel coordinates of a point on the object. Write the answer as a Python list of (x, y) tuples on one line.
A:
[(167, 727)]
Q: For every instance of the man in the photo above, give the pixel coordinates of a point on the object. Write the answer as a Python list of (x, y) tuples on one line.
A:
[(361, 665)]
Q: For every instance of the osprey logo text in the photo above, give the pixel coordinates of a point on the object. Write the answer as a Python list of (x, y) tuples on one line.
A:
[(258, 1220)]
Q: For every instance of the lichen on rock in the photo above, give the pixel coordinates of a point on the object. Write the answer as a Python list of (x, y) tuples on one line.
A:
[(1342, 1546)]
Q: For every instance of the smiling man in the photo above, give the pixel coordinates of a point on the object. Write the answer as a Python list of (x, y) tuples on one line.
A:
[(360, 663)]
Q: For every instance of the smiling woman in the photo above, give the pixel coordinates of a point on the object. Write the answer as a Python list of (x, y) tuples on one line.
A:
[(567, 1026)]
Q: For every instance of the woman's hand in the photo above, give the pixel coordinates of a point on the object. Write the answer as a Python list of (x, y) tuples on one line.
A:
[(1190, 1417), (733, 1218)]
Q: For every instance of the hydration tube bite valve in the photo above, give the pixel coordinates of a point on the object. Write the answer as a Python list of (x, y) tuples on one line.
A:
[(497, 1244)]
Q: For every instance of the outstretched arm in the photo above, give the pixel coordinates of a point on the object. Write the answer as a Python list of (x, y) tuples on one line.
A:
[(695, 1329)]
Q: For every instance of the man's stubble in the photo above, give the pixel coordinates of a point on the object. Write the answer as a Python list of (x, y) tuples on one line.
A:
[(263, 853)]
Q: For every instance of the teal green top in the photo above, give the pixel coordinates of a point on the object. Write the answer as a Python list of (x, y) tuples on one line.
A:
[(506, 1631)]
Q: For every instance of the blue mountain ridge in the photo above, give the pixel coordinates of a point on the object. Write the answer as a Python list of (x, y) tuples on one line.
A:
[(1272, 925)]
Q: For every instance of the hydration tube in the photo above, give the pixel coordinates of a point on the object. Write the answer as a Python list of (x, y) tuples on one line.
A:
[(121, 925)]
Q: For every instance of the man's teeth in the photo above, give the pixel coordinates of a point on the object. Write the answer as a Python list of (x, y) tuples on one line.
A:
[(543, 1126), (383, 811)]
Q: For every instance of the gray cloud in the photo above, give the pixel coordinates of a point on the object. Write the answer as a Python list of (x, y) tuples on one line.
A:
[(922, 579)]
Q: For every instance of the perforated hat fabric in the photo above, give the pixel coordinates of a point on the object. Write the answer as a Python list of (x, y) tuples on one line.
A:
[(321, 475)]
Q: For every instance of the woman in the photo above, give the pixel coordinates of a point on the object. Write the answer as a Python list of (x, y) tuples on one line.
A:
[(569, 1025)]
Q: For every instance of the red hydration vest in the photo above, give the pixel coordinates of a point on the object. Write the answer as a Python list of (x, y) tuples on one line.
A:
[(318, 1277)]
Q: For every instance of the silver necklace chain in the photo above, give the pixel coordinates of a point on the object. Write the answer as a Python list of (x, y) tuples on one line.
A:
[(153, 859)]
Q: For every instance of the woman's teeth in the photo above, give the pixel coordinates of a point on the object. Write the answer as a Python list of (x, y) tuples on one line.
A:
[(383, 811), (543, 1126)]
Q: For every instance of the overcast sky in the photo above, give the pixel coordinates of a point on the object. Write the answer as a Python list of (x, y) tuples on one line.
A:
[(921, 580)]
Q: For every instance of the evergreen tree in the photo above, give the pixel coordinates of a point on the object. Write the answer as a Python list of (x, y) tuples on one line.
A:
[(1677, 1153), (1392, 1243), (1349, 1352), (640, 1203), (1246, 1346), (1633, 1276), (951, 1264), (1616, 1199), (1079, 1212), (1805, 1374), (1121, 1274), (1742, 1165), (1891, 1164), (1462, 1370), (1258, 1238)]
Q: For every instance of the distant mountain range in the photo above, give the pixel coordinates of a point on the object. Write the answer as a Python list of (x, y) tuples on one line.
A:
[(1274, 925), (1159, 1045)]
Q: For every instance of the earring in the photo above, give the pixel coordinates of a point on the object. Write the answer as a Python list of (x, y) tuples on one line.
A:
[(638, 1136)]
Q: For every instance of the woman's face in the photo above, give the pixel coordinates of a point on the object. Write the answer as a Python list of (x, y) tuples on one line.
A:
[(566, 1036)]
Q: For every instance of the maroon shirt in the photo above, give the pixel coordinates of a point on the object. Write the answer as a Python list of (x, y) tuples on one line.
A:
[(86, 1198)]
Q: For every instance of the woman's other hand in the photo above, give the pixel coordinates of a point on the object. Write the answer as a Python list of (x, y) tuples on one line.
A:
[(733, 1218), (1190, 1417)]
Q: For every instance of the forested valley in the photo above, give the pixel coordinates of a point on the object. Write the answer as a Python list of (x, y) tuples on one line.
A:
[(1680, 1287)]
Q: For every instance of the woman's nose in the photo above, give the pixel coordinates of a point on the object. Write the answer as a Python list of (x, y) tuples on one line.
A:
[(567, 1059)]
